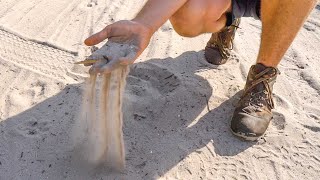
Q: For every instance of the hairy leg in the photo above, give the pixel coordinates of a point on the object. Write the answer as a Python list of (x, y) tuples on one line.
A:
[(281, 21), (200, 16)]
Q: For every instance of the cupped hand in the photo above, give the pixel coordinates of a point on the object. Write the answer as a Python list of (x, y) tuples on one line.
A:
[(126, 41)]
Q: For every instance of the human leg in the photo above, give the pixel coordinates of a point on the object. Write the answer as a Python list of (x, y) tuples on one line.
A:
[(220, 45), (281, 21), (200, 16)]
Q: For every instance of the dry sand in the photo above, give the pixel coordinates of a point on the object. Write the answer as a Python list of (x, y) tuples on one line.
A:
[(177, 107), (98, 134)]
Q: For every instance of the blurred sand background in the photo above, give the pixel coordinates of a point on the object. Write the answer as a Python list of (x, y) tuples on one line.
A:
[(177, 106)]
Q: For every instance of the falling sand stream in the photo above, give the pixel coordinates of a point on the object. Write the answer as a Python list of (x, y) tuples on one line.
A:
[(102, 112), (100, 131)]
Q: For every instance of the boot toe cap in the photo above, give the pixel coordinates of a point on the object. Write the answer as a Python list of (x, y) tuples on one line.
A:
[(213, 56), (248, 127)]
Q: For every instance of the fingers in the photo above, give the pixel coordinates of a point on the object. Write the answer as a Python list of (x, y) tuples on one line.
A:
[(104, 68), (88, 64), (95, 68), (98, 37), (113, 56), (87, 61)]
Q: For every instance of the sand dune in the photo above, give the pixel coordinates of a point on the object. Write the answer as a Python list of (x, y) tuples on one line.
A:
[(177, 107)]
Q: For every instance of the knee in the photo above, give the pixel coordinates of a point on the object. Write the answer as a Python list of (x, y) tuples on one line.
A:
[(194, 26), (200, 16), (185, 29), (187, 23)]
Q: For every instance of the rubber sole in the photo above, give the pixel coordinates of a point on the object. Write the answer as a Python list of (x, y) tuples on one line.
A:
[(244, 137)]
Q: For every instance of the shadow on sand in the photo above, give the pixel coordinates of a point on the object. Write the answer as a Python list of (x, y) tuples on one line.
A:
[(165, 120)]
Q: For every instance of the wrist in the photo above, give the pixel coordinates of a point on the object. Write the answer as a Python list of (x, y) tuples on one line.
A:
[(148, 27)]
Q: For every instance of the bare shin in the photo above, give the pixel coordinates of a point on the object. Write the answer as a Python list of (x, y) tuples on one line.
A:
[(281, 21)]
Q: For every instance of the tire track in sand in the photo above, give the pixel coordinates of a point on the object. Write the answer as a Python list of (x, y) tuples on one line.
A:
[(7, 6), (39, 57)]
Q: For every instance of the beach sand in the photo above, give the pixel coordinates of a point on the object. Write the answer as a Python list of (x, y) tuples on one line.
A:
[(177, 108)]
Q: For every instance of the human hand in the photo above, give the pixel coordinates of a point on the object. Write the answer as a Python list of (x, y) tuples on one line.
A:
[(126, 41)]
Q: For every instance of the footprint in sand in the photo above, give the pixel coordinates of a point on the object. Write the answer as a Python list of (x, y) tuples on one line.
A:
[(158, 78), (279, 120), (315, 129), (237, 169), (313, 116), (33, 128), (282, 102)]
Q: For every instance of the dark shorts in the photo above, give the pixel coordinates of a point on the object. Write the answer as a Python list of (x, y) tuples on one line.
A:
[(246, 8)]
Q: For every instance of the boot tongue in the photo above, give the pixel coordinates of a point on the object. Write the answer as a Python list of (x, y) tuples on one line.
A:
[(258, 68)]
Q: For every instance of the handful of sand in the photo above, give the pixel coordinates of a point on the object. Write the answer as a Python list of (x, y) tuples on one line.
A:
[(102, 109)]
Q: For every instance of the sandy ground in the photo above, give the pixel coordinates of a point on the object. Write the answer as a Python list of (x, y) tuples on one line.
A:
[(177, 107)]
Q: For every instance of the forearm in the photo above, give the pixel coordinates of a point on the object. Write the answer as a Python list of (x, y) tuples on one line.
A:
[(156, 12)]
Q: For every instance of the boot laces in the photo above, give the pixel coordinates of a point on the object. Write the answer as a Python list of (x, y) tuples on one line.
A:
[(263, 97), (224, 40), (257, 99)]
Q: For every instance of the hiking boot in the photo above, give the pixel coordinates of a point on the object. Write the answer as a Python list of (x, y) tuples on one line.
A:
[(253, 113), (220, 44)]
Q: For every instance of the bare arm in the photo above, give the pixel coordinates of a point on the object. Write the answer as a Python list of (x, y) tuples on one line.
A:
[(135, 33), (156, 12)]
